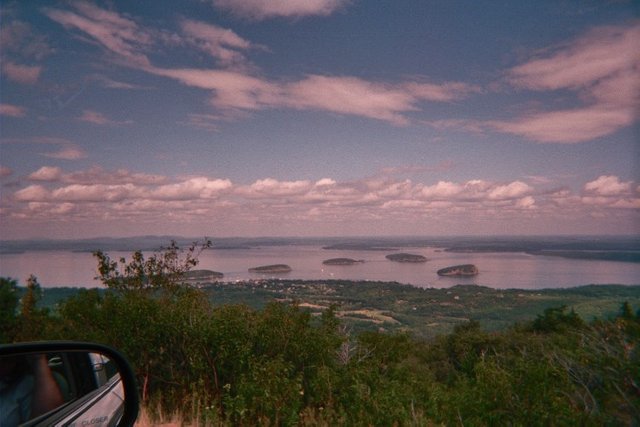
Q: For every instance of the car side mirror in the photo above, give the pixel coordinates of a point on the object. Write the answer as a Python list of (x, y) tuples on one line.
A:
[(67, 384)]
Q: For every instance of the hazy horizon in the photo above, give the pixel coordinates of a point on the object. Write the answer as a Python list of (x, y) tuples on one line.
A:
[(240, 118), (320, 237)]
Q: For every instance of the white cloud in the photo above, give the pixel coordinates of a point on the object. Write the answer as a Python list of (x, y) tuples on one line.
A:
[(403, 204), (449, 91), (100, 119), (46, 173), (94, 117), (602, 67), (120, 176), (12, 110), (110, 83), (442, 190), (93, 193), (138, 198), (262, 9), (513, 190), (527, 202), (350, 95), (200, 187), (597, 56), (325, 182), (221, 43), (68, 152), (607, 191), (119, 35), (608, 185), (567, 126), (5, 171), (341, 95), (231, 89), (32, 193), (66, 149), (18, 38), (270, 187), (235, 87), (25, 74)]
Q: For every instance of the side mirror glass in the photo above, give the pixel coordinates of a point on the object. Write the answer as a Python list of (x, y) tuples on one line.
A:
[(66, 384)]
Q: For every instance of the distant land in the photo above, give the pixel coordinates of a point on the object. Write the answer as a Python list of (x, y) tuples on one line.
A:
[(360, 246), (604, 248), (607, 248)]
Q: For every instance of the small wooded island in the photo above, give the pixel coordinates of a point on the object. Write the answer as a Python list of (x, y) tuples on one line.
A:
[(202, 276), (271, 269), (404, 257), (459, 270), (342, 261)]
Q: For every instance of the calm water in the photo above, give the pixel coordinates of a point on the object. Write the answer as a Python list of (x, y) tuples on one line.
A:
[(497, 270)]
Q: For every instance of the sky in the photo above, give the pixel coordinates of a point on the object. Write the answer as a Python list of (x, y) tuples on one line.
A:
[(249, 118)]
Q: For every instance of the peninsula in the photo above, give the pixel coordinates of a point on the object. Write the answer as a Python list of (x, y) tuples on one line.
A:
[(404, 257)]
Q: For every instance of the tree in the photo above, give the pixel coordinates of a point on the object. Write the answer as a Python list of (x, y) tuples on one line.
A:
[(162, 270), (31, 298), (8, 307), (33, 321), (556, 319), (625, 311)]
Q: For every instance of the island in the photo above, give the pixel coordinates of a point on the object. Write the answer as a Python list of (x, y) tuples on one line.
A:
[(342, 261), (271, 269), (404, 257), (463, 270), (202, 276)]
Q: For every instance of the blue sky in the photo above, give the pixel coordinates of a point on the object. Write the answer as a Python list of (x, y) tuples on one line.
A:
[(318, 117)]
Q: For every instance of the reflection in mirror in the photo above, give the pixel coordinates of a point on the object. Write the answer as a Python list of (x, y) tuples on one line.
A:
[(60, 388)]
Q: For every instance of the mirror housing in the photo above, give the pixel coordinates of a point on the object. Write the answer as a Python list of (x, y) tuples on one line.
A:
[(113, 389)]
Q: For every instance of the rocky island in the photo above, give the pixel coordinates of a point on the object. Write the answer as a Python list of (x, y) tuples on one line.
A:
[(271, 269), (464, 270), (342, 261), (404, 257)]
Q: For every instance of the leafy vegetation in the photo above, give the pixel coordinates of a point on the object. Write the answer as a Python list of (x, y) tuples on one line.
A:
[(286, 363)]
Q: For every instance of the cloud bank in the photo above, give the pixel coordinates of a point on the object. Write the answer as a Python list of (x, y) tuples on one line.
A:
[(93, 195)]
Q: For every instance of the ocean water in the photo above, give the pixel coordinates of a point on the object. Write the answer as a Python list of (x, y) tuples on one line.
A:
[(499, 270)]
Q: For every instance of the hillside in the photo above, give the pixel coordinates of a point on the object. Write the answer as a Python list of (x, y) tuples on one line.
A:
[(392, 306)]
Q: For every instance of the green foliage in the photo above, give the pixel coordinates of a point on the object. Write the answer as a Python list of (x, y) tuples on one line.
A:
[(31, 298), (284, 365), (8, 307), (164, 270), (556, 319), (625, 311)]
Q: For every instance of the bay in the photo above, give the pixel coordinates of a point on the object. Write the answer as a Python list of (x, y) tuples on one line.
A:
[(500, 270)]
